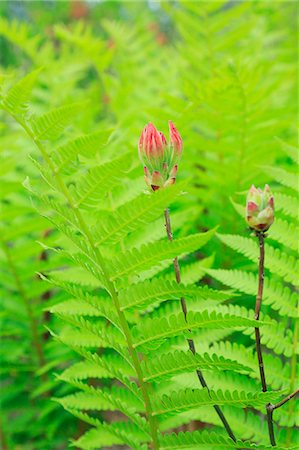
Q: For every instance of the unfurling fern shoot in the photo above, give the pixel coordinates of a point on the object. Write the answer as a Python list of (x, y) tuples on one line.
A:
[(160, 161), (260, 217)]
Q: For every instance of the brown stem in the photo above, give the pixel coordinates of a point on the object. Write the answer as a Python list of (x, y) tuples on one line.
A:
[(190, 341), (258, 304), (285, 400)]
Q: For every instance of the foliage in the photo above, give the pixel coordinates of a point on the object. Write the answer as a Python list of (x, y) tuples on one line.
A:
[(95, 350)]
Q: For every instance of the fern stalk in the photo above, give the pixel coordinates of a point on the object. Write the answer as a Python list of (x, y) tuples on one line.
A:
[(258, 304), (110, 285), (190, 341), (36, 344)]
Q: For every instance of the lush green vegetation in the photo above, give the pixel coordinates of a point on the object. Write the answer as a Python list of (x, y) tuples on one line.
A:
[(94, 348)]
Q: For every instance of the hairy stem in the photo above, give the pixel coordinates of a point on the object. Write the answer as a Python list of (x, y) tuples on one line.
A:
[(111, 289), (33, 324), (190, 341), (258, 304)]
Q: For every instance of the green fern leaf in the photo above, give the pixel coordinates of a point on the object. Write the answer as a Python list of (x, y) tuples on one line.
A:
[(285, 233), (131, 216), (209, 440), (278, 262), (91, 306), (277, 338), (170, 364), (143, 294), (87, 146), (112, 399), (108, 337), (17, 98), (112, 365), (112, 434), (158, 329), (151, 254), (278, 375), (95, 184), (192, 398), (50, 124), (287, 203), (96, 437), (279, 297), (284, 177), (290, 150)]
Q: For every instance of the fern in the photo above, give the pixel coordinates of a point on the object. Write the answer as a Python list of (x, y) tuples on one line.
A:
[(143, 294), (87, 146), (205, 440), (161, 328), (171, 364), (82, 241), (191, 398), (50, 124), (277, 261), (17, 98)]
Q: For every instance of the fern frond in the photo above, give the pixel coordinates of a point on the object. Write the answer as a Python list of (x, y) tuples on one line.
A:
[(285, 233), (112, 434), (287, 203), (50, 124), (109, 399), (93, 185), (17, 98), (192, 398), (284, 177), (158, 329), (210, 440), (277, 338), (277, 261), (278, 375), (131, 216), (65, 156), (279, 297), (95, 437), (108, 336), (83, 370), (146, 293), (90, 306), (151, 254), (111, 364), (74, 337), (170, 364)]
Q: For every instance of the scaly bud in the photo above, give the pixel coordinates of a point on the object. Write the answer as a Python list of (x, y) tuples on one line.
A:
[(260, 208), (160, 160)]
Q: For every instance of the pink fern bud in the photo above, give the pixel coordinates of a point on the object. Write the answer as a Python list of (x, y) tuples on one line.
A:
[(159, 159), (260, 208)]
